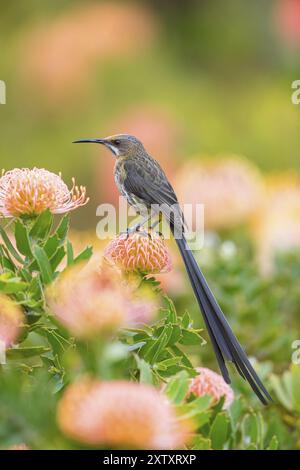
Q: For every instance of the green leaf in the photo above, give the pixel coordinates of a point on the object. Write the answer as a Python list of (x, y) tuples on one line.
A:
[(184, 358), (186, 320), (44, 264), (146, 375), (235, 411), (153, 352), (177, 387), (51, 245), (57, 258), (253, 429), (163, 365), (5, 260), (22, 239), (10, 284), (172, 315), (219, 431), (70, 253), (63, 227), (295, 386), (42, 226), (197, 410), (282, 390), (191, 337), (273, 444), (175, 335), (10, 246), (25, 352), (201, 443), (84, 255)]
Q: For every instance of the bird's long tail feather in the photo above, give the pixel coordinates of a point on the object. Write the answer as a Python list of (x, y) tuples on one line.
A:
[(225, 344)]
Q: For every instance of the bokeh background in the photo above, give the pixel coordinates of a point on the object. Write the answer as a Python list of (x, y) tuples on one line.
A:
[(206, 85), (190, 78)]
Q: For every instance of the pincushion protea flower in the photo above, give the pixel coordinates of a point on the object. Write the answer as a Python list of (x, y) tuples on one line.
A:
[(28, 192), (11, 321), (86, 302), (210, 383), (120, 414), (139, 253), (230, 188), (276, 225)]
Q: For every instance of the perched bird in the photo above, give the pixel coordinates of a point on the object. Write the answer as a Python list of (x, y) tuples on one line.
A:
[(141, 180)]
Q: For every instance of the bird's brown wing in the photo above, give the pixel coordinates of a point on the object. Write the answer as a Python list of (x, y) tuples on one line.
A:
[(153, 188)]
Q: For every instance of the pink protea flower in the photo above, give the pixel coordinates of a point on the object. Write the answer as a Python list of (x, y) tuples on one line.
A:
[(120, 414), (276, 225), (210, 383), (141, 305), (28, 192), (11, 321), (58, 57), (230, 188), (139, 253), (86, 302)]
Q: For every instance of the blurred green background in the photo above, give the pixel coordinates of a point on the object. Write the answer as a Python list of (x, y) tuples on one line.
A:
[(192, 77)]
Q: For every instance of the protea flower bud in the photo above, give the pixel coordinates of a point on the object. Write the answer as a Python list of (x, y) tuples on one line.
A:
[(86, 302), (139, 253), (11, 321), (119, 414), (213, 384), (26, 192)]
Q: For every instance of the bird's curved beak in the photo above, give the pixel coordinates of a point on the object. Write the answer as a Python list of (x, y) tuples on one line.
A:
[(93, 141)]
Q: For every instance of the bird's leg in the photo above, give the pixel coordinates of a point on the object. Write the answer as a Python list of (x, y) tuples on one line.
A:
[(136, 227), (157, 222)]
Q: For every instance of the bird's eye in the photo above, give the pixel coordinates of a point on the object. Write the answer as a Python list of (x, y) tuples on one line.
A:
[(117, 142)]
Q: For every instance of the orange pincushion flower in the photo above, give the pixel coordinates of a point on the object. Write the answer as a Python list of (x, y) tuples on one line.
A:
[(119, 414), (25, 191), (139, 253), (210, 383), (86, 302), (11, 321)]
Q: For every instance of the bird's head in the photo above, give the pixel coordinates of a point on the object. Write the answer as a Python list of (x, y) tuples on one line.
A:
[(121, 145)]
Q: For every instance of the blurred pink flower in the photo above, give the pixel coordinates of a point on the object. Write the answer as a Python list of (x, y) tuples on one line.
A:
[(95, 299), (141, 306), (11, 321), (287, 21), (120, 414), (57, 56), (139, 253), (230, 189), (213, 384), (276, 225), (81, 299), (28, 192)]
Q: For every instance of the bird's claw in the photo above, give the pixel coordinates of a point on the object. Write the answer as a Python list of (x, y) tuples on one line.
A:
[(130, 230)]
